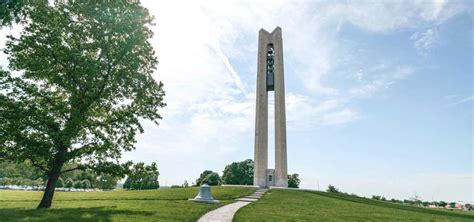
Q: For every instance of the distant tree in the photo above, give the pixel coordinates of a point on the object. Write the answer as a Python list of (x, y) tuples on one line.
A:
[(85, 184), (239, 173), (294, 180), (442, 204), (69, 183), (60, 182), (185, 184), (332, 189), (212, 179), (452, 205), (106, 181), (202, 176), (468, 206), (143, 177), (86, 82), (128, 184), (77, 184), (376, 197), (24, 169), (425, 203)]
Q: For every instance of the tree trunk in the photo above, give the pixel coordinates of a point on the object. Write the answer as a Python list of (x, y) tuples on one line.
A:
[(48, 194)]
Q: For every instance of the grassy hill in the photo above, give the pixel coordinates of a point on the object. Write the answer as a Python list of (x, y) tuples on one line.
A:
[(293, 205), (146, 205), (172, 205)]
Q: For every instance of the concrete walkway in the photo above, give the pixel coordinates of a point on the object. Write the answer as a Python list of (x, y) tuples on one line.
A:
[(226, 213)]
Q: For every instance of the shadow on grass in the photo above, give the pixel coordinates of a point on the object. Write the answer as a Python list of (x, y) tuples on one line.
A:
[(103, 214), (391, 205)]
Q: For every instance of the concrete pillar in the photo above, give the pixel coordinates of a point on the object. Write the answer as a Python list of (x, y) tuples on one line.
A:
[(261, 117), (281, 174), (280, 179)]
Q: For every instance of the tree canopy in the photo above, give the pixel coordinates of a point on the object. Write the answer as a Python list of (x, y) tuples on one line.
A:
[(294, 180), (142, 177), (238, 173), (85, 82), (208, 177)]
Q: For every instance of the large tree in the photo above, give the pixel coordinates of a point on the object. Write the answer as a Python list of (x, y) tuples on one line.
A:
[(208, 177), (239, 173), (85, 81), (142, 177)]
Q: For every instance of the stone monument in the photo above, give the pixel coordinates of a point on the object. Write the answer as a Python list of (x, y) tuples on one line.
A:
[(270, 78), (204, 195)]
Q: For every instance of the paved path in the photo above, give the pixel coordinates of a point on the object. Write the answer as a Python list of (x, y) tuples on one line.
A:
[(226, 213)]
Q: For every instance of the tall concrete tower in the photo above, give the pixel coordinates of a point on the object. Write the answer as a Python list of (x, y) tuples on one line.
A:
[(270, 78)]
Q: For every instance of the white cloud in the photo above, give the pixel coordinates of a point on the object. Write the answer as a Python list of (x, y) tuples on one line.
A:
[(304, 112), (380, 77), (464, 100), (424, 41)]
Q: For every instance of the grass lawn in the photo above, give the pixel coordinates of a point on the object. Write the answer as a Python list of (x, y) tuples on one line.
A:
[(147, 205), (292, 205)]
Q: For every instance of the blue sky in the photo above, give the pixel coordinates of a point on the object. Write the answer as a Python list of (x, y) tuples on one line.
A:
[(379, 94)]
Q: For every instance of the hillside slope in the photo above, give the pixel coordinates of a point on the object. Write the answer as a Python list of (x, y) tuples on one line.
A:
[(294, 205)]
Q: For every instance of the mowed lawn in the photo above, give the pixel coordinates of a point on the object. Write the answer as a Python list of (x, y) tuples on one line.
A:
[(145, 205), (292, 205)]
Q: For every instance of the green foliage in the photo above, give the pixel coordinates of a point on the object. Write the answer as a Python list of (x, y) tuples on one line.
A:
[(24, 170), (185, 184), (239, 173), (212, 179), (19, 181), (294, 180), (86, 82), (60, 182), (209, 177), (15, 11), (332, 189), (128, 184), (69, 183), (77, 184), (142, 177), (105, 182), (85, 184), (452, 204)]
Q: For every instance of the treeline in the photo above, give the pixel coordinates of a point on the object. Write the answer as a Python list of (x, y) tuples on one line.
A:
[(236, 173), (414, 201), (20, 174), (24, 174)]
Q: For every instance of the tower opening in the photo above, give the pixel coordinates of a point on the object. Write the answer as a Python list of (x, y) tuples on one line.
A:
[(270, 68)]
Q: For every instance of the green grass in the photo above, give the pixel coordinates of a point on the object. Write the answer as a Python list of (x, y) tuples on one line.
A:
[(293, 205), (147, 205)]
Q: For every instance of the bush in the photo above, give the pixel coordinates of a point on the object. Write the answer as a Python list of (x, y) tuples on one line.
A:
[(332, 189), (294, 180)]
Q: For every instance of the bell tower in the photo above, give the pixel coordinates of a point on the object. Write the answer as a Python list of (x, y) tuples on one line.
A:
[(270, 78)]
